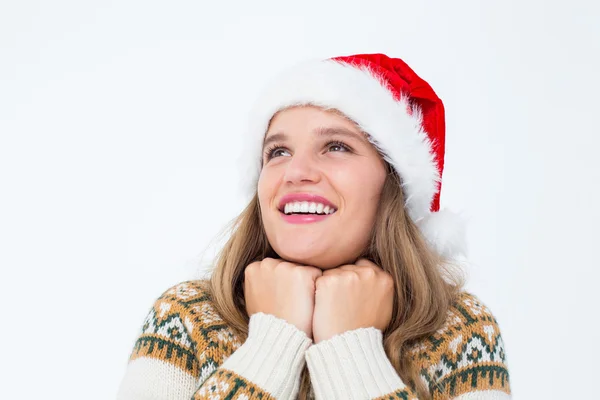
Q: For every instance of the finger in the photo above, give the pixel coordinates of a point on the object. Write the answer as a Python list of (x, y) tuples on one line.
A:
[(360, 267), (251, 268), (337, 270), (347, 267), (368, 264), (363, 262), (270, 262), (317, 273)]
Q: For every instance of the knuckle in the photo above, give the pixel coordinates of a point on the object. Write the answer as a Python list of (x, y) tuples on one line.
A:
[(350, 274), (369, 272), (387, 281), (269, 261), (251, 268), (321, 281)]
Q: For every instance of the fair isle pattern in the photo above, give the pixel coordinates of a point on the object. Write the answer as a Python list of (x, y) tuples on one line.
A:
[(166, 335), (182, 328), (466, 354), (225, 384), (404, 394)]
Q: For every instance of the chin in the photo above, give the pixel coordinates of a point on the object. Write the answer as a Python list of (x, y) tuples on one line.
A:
[(311, 257), (310, 249), (317, 262)]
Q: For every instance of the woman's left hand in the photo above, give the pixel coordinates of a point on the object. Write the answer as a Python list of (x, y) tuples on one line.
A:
[(351, 297)]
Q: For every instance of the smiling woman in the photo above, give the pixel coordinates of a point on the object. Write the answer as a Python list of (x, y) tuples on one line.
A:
[(321, 154), (337, 280)]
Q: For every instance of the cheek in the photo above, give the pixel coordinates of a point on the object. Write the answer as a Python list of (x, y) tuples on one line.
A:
[(360, 186), (266, 189)]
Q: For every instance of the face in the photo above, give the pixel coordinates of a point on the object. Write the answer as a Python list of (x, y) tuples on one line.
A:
[(319, 187)]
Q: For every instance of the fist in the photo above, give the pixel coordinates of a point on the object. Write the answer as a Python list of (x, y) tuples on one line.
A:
[(283, 289), (351, 297)]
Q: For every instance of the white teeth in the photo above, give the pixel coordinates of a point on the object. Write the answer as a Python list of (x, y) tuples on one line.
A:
[(306, 207)]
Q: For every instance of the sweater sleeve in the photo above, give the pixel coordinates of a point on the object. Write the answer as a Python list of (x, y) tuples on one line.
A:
[(267, 366), (463, 360), (185, 351), (354, 366)]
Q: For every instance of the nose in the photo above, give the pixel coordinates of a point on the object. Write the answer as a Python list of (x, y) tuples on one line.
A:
[(302, 168)]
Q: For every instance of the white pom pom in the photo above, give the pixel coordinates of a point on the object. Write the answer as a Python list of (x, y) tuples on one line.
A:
[(446, 233)]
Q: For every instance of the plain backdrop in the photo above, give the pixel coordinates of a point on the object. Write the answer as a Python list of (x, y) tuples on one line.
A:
[(120, 124)]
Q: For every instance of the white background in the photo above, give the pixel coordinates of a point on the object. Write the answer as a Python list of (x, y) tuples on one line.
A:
[(120, 123)]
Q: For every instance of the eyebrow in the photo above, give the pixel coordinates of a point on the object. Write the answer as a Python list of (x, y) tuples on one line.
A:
[(321, 132)]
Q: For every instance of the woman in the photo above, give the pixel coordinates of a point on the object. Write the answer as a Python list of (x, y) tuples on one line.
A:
[(335, 283)]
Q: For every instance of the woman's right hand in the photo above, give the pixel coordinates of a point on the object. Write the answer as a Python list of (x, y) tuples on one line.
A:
[(283, 289)]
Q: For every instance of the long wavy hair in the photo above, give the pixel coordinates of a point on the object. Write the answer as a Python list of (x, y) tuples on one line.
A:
[(426, 285)]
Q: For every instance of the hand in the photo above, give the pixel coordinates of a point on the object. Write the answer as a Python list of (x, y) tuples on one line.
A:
[(351, 297), (283, 289)]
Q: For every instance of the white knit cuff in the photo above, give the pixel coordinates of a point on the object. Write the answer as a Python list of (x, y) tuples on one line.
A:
[(352, 365), (272, 357)]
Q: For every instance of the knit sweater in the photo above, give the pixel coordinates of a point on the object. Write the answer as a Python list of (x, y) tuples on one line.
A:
[(186, 351)]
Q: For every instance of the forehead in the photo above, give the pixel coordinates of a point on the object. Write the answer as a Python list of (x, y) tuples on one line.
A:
[(305, 120)]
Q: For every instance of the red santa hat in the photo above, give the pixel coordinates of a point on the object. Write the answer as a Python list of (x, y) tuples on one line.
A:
[(400, 112)]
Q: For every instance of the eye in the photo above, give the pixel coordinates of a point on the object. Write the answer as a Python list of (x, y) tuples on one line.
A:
[(337, 146), (278, 153), (275, 151)]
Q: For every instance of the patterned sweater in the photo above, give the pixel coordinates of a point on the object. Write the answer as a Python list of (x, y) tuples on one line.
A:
[(186, 351)]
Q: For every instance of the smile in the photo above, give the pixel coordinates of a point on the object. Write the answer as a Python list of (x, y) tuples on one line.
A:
[(305, 207), (301, 208)]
